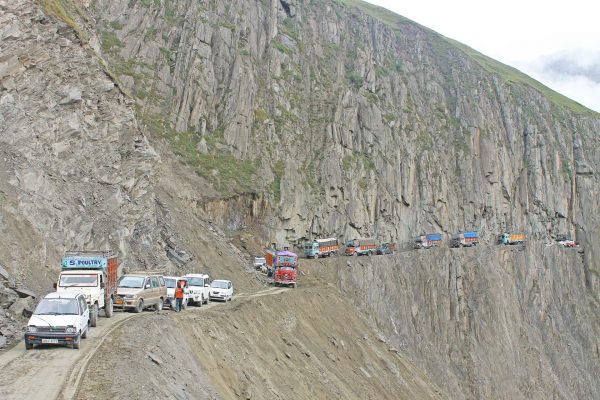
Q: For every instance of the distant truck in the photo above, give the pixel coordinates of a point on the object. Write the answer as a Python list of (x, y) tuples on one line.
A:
[(259, 262), (321, 248), (512, 238), (465, 239), (428, 241), (386, 248), (361, 247), (93, 273), (283, 266)]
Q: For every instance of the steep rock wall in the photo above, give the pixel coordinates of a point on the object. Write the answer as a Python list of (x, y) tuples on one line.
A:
[(489, 322)]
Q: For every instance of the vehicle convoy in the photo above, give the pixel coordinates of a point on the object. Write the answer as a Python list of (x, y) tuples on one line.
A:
[(171, 283), (221, 289), (198, 288), (386, 248), (321, 248), (139, 290), (512, 238), (93, 273), (428, 241), (465, 239), (360, 247), (283, 265), (59, 318)]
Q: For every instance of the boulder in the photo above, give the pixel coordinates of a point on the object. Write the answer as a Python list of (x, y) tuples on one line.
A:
[(22, 307)]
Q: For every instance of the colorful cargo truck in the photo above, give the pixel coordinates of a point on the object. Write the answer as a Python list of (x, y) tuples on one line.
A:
[(512, 238), (283, 266), (465, 239), (93, 273), (361, 247), (428, 241), (321, 248)]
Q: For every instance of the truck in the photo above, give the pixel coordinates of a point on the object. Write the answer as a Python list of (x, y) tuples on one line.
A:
[(321, 248), (512, 238), (465, 239), (93, 273), (283, 267), (386, 248), (427, 241), (360, 247)]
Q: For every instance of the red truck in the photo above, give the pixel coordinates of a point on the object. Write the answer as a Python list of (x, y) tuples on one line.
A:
[(360, 247), (284, 267)]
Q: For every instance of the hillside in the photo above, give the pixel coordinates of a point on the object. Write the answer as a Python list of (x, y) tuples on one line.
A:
[(186, 135)]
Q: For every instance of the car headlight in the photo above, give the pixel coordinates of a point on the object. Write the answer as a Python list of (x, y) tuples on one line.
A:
[(70, 329), (32, 329)]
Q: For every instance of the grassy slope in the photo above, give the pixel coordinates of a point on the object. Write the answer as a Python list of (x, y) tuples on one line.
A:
[(492, 66)]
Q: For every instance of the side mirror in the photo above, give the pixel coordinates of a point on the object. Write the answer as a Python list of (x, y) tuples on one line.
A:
[(54, 285)]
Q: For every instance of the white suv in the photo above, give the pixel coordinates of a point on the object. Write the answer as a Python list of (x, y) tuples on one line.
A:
[(221, 289), (59, 318), (198, 288)]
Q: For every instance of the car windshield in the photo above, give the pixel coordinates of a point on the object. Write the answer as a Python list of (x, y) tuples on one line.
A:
[(57, 307), (219, 284), (78, 280), (259, 260), (195, 282), (170, 282), (136, 282)]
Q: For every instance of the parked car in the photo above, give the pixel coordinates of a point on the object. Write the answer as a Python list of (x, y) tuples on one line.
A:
[(259, 262), (199, 287), (172, 282), (59, 318), (221, 289), (140, 290)]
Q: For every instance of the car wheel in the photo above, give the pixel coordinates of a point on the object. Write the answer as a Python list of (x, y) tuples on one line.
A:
[(159, 305), (84, 334), (28, 346), (94, 315), (139, 307), (108, 307), (77, 342)]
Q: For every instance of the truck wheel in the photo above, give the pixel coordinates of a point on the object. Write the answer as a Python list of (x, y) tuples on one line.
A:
[(94, 315), (140, 306), (159, 305), (108, 307), (77, 342), (28, 346)]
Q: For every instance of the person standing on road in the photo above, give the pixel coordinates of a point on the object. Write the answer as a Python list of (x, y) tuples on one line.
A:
[(179, 296)]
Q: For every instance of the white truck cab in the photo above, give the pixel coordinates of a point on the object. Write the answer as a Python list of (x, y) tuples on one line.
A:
[(198, 288)]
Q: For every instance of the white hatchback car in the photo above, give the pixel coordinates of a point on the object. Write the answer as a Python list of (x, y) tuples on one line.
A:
[(59, 318), (221, 289)]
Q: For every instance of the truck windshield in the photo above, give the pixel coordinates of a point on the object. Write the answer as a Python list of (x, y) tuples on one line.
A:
[(57, 307), (287, 268), (79, 280), (170, 282), (195, 282), (136, 282)]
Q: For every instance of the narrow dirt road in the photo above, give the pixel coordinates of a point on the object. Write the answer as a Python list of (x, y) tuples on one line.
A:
[(48, 372)]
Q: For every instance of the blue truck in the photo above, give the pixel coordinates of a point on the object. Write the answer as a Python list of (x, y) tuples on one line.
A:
[(427, 241), (465, 239)]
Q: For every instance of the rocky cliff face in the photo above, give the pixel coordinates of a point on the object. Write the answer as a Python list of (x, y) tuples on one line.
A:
[(485, 323)]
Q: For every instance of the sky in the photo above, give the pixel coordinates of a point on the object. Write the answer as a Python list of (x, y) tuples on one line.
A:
[(555, 42)]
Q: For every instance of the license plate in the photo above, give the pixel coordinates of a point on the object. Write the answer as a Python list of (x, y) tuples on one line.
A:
[(55, 341), (118, 301)]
